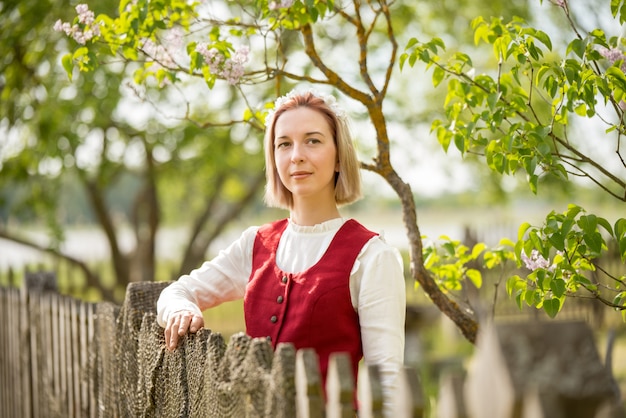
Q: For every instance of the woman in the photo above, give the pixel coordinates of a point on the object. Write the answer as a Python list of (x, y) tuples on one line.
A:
[(315, 279)]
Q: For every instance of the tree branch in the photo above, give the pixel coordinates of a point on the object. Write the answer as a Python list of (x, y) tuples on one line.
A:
[(93, 279)]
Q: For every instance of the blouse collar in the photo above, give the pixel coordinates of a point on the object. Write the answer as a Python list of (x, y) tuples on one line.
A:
[(326, 226)]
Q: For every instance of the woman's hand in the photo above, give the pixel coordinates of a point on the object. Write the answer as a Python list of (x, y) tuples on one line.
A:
[(178, 324)]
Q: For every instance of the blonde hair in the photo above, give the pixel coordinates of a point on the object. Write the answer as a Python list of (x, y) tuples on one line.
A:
[(347, 180)]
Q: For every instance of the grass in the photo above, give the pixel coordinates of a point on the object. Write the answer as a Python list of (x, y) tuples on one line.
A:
[(227, 319)]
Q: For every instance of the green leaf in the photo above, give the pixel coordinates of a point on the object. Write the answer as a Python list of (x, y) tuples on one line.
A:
[(531, 297), (515, 284), (403, 58), (438, 76), (552, 307), (412, 42), (519, 298), (449, 247), (622, 248), (444, 137), (130, 53), (557, 240), (478, 248), (68, 64), (617, 76), (594, 241), (619, 298), (532, 182), (544, 39), (558, 287), (620, 228), (577, 46), (521, 232), (573, 210), (475, 277), (588, 223)]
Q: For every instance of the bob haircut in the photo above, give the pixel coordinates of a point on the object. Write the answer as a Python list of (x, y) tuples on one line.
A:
[(347, 180)]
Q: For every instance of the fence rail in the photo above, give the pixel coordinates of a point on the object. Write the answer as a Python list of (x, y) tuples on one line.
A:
[(62, 357)]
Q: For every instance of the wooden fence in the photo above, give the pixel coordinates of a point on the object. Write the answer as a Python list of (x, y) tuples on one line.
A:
[(62, 357)]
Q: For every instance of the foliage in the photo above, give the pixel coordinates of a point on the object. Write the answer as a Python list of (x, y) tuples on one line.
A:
[(576, 241), (449, 263), (87, 138), (518, 119)]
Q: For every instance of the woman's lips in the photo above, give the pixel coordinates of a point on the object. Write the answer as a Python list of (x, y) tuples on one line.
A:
[(300, 174)]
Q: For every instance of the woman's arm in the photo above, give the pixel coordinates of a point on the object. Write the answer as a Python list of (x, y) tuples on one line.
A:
[(381, 306), (222, 279)]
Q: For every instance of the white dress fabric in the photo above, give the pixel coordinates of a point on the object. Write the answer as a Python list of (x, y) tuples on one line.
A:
[(377, 287)]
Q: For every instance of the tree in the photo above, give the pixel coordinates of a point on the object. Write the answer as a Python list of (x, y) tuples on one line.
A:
[(497, 116), (61, 133), (520, 118)]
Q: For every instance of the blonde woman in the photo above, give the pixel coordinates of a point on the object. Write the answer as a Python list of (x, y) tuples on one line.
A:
[(315, 279)]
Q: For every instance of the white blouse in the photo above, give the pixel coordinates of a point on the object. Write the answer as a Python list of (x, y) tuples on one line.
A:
[(377, 287)]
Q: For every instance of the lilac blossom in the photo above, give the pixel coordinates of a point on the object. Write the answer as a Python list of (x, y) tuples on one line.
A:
[(536, 261), (85, 16), (613, 55), (282, 4), (231, 69), (158, 53), (80, 33)]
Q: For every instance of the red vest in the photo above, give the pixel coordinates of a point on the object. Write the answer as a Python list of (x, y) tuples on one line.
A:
[(310, 309)]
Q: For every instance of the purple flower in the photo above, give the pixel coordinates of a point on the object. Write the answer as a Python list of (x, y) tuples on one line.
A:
[(613, 55), (536, 261), (85, 16), (231, 69)]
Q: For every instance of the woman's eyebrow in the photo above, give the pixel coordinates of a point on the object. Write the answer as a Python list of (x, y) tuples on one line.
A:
[(305, 134)]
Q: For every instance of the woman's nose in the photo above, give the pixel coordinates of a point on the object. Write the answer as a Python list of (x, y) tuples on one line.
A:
[(297, 153)]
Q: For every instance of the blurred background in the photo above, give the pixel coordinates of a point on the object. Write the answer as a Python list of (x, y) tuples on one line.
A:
[(107, 183)]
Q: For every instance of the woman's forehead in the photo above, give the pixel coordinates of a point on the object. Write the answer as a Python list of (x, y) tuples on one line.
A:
[(301, 120)]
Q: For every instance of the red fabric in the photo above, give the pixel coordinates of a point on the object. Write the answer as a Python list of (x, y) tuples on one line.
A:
[(311, 309)]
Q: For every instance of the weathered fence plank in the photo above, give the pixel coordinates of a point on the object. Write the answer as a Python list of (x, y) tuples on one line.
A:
[(370, 391), (451, 402), (409, 400), (16, 400), (23, 334), (339, 387), (309, 397)]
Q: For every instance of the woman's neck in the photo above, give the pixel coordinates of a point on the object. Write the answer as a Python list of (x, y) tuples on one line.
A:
[(313, 214)]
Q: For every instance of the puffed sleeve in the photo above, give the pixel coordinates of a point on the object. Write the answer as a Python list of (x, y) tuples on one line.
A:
[(222, 279), (381, 305)]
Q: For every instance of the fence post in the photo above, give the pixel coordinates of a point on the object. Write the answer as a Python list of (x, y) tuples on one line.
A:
[(552, 368), (141, 298), (339, 387), (451, 403), (408, 401), (281, 401), (370, 392), (309, 396), (11, 400), (35, 285), (105, 380)]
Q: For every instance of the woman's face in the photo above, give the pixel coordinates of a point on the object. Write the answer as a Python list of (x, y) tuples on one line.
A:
[(305, 154)]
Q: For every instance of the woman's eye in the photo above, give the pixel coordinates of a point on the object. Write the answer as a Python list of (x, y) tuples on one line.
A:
[(282, 144)]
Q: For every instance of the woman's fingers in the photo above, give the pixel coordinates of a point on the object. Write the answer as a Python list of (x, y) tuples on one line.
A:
[(197, 322), (179, 324)]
